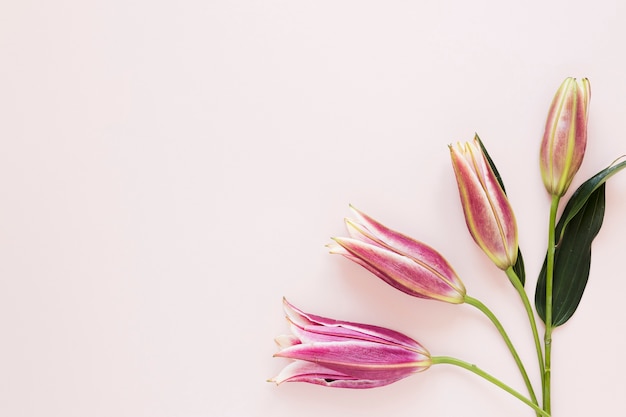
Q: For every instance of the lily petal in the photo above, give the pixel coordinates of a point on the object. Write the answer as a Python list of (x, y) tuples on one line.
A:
[(409, 275), (363, 360), (565, 137), (488, 214), (313, 373), (344, 354), (311, 328)]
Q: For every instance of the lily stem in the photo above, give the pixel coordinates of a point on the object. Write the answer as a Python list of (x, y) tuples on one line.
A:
[(483, 308), (476, 370), (547, 339), (531, 318)]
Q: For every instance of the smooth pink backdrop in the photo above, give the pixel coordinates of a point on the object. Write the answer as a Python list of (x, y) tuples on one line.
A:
[(170, 170)]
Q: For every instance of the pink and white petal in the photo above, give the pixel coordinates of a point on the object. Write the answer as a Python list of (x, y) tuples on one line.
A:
[(503, 213), (300, 371), (336, 249), (358, 231), (347, 331), (358, 383), (295, 315), (385, 336), (405, 245), (358, 260), (312, 373), (359, 331), (363, 360), (286, 340), (325, 329), (406, 274), (310, 328), (320, 333), (480, 218)]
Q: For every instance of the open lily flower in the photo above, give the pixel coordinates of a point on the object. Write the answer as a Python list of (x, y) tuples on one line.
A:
[(404, 263), (488, 214), (344, 354)]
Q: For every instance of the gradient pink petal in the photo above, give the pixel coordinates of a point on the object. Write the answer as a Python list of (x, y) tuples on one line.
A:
[(324, 329), (400, 243), (300, 371), (363, 360), (411, 276), (565, 137), (488, 214)]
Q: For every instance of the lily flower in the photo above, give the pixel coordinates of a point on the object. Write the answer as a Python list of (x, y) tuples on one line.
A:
[(565, 138), (402, 262), (488, 214), (344, 354)]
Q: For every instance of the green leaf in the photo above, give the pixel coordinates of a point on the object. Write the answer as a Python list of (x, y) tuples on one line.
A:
[(572, 261), (580, 196), (519, 264), (578, 225), (491, 163), (519, 267)]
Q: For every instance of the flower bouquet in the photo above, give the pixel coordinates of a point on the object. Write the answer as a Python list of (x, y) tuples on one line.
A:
[(344, 354)]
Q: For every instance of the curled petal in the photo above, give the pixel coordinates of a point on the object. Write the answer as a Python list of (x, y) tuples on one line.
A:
[(285, 341), (312, 328), (300, 371), (345, 354)]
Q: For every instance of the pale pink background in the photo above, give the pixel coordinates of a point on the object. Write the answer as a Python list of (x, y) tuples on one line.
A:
[(170, 170)]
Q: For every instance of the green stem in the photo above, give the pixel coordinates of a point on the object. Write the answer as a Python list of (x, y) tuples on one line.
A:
[(483, 308), (531, 318), (473, 368), (549, 278)]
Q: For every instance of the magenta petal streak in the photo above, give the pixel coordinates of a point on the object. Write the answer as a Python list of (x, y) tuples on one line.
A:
[(346, 354), (404, 263)]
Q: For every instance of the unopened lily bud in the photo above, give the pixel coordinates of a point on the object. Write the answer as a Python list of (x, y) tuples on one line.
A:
[(565, 138), (488, 214), (402, 262)]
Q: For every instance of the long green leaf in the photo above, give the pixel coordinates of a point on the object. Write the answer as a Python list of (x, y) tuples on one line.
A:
[(580, 222), (578, 225), (519, 264), (572, 261), (580, 196)]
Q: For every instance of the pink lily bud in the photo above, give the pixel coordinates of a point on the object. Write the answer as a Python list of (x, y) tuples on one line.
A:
[(346, 355), (402, 262), (565, 138), (488, 214)]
